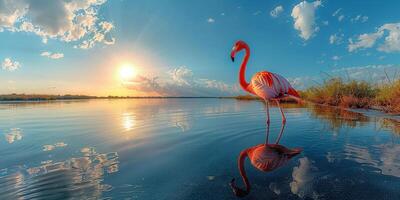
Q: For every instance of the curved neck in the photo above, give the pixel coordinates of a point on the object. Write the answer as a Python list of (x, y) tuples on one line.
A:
[(242, 76), (242, 171)]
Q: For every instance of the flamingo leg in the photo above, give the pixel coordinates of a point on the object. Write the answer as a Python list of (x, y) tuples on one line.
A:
[(268, 121), (280, 108), (280, 133), (267, 104), (266, 140)]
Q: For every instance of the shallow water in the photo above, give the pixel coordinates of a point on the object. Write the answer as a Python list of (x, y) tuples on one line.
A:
[(188, 149)]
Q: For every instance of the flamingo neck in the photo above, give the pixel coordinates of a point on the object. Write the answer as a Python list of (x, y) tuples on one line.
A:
[(242, 77), (242, 171)]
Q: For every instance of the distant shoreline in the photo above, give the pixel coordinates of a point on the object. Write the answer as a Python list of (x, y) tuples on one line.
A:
[(39, 97)]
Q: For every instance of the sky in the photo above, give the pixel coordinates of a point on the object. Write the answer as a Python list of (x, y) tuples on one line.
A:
[(182, 48)]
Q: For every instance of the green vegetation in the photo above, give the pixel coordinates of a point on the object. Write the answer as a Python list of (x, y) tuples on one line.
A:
[(40, 97), (356, 94)]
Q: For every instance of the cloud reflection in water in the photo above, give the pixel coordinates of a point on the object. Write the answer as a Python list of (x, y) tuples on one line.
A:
[(15, 134), (75, 178), (385, 158)]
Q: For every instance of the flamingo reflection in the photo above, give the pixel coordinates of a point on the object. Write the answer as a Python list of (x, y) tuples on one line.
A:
[(265, 157)]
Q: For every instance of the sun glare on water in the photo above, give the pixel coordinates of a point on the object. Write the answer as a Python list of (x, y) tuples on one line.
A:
[(127, 71)]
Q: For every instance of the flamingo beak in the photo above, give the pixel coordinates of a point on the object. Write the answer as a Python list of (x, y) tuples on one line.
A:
[(233, 55), (233, 52)]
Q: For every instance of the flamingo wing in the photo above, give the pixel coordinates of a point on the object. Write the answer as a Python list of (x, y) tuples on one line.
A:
[(270, 85)]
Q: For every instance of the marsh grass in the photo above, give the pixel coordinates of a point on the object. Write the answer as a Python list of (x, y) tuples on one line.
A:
[(388, 97), (356, 94)]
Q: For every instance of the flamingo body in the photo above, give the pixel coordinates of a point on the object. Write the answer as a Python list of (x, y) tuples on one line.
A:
[(269, 85), (270, 157)]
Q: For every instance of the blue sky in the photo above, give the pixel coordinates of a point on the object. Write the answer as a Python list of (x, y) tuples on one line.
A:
[(182, 47)]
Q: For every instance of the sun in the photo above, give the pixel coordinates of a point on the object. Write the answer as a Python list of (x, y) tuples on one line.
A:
[(127, 71)]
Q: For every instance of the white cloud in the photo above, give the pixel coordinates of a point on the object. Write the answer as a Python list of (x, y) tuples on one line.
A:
[(10, 65), (374, 74), (52, 55), (335, 58), (69, 21), (340, 18), (371, 73), (326, 23), (391, 40), (210, 20), (364, 41), (336, 12), (336, 39), (302, 82), (304, 18), (257, 12), (276, 11), (10, 12), (359, 18), (180, 82)]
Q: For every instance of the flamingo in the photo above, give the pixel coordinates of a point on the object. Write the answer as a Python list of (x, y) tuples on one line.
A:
[(266, 85), (265, 157)]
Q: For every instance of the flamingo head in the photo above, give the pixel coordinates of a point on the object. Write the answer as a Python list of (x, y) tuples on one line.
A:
[(239, 45)]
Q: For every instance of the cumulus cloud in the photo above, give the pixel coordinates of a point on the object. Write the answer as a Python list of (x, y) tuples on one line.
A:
[(304, 18), (180, 82), (390, 33), (10, 65), (210, 20), (65, 20), (336, 38), (276, 11), (335, 58), (52, 55), (364, 41)]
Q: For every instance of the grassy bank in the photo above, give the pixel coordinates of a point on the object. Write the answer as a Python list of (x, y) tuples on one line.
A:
[(356, 94)]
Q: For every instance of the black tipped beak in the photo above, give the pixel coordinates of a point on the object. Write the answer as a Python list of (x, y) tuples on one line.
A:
[(233, 59)]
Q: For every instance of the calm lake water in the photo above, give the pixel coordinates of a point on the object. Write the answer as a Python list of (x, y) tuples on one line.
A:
[(188, 149)]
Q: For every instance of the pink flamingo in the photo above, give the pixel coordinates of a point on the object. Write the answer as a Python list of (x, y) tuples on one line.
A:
[(266, 85), (265, 157)]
